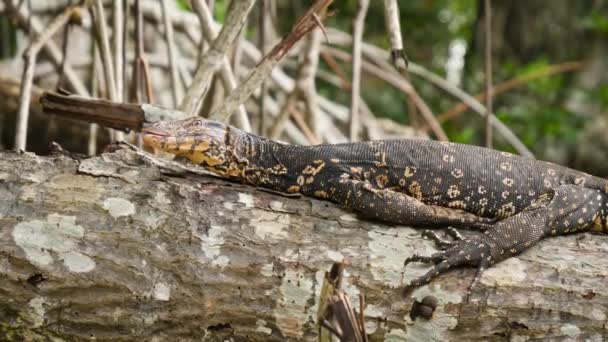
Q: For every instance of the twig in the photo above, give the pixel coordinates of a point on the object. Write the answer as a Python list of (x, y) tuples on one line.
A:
[(23, 17), (402, 84), (106, 60), (283, 115), (513, 83), (304, 25), (391, 14), (299, 120), (227, 76), (28, 73), (141, 74), (358, 26), (104, 49), (212, 59), (118, 39), (377, 54), (263, 43), (488, 64), (95, 83), (172, 52), (125, 36)]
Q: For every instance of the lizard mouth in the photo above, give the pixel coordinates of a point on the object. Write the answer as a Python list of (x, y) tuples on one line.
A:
[(153, 137), (154, 132)]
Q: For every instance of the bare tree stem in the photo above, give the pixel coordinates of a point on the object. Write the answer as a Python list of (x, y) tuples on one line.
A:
[(488, 64), (176, 89), (212, 59), (358, 27), (27, 80)]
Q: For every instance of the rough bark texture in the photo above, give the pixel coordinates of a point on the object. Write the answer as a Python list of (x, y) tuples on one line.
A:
[(112, 249)]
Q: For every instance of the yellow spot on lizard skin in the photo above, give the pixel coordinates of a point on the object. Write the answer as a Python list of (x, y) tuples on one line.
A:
[(402, 182), (579, 181), (293, 189), (356, 170), (508, 182), (416, 190), (382, 180), (334, 160), (309, 180), (300, 180), (382, 161), (457, 173), (457, 205), (409, 172), (453, 191), (313, 170), (321, 194), (505, 166)]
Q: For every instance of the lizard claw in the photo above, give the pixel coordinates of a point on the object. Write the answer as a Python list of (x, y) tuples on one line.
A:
[(475, 251)]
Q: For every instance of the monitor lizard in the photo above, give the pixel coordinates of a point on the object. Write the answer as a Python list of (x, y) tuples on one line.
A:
[(514, 201)]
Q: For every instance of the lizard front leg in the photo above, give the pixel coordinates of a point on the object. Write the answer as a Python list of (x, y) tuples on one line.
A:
[(565, 210), (391, 206)]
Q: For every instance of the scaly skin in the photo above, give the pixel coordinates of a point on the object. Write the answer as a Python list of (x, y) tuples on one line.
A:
[(515, 201)]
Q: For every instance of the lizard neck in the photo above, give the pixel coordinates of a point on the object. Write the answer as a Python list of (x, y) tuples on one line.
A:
[(258, 161)]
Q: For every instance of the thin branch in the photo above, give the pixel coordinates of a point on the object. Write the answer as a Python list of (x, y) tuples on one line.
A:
[(24, 18), (303, 26), (212, 60), (393, 26), (106, 60), (400, 83), (513, 83), (104, 49), (118, 40), (172, 52), (141, 74), (358, 26), (263, 44), (27, 80), (299, 120), (488, 62), (376, 54), (227, 75)]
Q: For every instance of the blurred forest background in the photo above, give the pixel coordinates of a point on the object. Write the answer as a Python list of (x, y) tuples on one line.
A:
[(548, 71)]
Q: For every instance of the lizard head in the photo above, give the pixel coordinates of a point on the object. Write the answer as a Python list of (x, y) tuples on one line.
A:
[(202, 141)]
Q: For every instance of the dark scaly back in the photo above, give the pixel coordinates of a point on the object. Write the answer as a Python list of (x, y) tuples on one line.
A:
[(486, 182)]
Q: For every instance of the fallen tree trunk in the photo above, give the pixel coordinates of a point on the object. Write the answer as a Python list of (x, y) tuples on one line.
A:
[(113, 249)]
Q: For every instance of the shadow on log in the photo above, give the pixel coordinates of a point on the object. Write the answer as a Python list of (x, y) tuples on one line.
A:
[(113, 249)]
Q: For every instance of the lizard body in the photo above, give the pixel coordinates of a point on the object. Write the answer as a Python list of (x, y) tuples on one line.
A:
[(515, 201)]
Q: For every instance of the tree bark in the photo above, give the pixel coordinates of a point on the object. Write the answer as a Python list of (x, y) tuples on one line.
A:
[(114, 249)]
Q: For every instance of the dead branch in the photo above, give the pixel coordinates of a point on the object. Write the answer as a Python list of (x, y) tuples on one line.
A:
[(176, 89), (358, 26), (400, 83), (227, 75), (393, 26), (511, 84), (256, 76), (27, 80), (212, 59), (488, 70)]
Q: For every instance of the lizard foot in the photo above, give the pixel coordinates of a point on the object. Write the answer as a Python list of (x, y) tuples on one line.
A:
[(443, 243), (474, 251)]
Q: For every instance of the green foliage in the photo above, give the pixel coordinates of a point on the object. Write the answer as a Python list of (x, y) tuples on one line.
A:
[(596, 21)]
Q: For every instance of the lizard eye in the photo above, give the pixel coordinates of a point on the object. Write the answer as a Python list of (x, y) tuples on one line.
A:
[(197, 123)]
